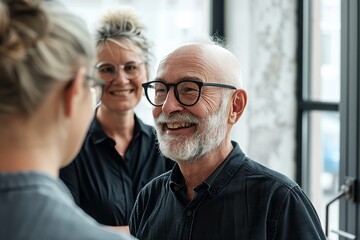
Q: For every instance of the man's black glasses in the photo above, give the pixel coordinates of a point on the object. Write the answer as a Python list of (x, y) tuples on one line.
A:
[(187, 92)]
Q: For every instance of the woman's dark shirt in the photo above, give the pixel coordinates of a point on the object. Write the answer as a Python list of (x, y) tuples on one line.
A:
[(240, 200), (103, 183)]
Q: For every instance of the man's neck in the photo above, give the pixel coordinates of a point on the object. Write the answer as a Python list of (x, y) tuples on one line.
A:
[(197, 171)]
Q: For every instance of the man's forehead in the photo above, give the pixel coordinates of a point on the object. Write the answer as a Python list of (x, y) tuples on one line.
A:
[(178, 69), (195, 60), (184, 59), (192, 51)]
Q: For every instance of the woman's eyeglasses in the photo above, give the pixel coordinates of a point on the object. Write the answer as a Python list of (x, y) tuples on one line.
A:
[(109, 71)]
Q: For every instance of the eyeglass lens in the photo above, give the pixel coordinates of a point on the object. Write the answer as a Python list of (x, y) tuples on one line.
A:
[(108, 71), (187, 93)]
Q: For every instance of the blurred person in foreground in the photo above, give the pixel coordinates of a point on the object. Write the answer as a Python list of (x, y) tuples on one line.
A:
[(214, 190), (45, 109), (120, 153)]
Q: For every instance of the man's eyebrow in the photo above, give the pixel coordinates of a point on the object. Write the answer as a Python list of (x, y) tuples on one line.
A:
[(190, 78), (185, 78), (159, 79)]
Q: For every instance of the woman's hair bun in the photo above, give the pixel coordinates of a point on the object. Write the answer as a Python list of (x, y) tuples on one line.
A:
[(41, 43), (22, 23)]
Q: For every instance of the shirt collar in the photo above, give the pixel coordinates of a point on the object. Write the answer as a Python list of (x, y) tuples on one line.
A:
[(98, 134), (217, 180), (142, 127)]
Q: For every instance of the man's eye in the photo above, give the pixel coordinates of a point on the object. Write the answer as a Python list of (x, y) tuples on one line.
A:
[(160, 90), (188, 89)]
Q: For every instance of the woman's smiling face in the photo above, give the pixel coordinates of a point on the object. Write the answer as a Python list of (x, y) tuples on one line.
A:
[(122, 93)]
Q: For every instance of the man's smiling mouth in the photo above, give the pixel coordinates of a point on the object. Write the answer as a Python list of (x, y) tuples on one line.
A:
[(174, 126)]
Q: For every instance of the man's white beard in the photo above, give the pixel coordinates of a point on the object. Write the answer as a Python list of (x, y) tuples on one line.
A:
[(211, 131)]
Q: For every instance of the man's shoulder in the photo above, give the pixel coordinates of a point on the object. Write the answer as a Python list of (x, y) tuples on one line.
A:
[(251, 167), (160, 180), (157, 184)]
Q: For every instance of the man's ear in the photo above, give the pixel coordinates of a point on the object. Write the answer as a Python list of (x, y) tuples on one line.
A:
[(237, 107), (72, 91)]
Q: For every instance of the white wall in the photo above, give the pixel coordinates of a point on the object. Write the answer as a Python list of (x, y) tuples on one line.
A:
[(262, 34)]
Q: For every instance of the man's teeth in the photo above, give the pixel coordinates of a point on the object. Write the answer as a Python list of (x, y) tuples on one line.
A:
[(177, 125)]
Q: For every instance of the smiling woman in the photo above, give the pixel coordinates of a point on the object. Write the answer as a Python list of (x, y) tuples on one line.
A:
[(120, 153)]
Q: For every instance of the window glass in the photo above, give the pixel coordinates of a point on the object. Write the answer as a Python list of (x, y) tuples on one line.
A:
[(324, 164), (325, 51)]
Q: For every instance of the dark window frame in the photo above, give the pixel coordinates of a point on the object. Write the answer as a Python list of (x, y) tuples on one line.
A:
[(217, 18)]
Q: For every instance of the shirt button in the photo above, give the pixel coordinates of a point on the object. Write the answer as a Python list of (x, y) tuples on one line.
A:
[(188, 213), (176, 188), (213, 191)]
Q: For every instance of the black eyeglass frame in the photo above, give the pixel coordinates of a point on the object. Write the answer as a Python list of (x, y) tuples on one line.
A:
[(168, 85)]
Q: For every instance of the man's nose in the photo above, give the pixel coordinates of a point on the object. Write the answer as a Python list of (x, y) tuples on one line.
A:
[(171, 104)]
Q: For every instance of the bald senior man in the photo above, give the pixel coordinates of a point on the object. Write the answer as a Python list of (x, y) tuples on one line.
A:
[(214, 191)]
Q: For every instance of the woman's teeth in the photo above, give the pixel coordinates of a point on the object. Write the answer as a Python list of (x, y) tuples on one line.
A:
[(121, 92)]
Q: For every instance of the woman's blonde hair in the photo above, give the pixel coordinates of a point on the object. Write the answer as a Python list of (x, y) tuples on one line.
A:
[(123, 27), (40, 43)]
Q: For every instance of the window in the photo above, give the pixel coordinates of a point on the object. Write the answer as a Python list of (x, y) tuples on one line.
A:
[(318, 127)]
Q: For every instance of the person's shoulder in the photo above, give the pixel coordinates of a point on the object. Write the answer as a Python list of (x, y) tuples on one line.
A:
[(152, 194), (40, 200), (162, 179), (255, 168), (157, 184), (61, 214)]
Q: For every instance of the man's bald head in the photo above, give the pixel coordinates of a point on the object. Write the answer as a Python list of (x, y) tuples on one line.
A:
[(219, 63)]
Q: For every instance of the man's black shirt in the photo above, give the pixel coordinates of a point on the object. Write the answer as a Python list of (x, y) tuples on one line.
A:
[(240, 200), (103, 183)]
